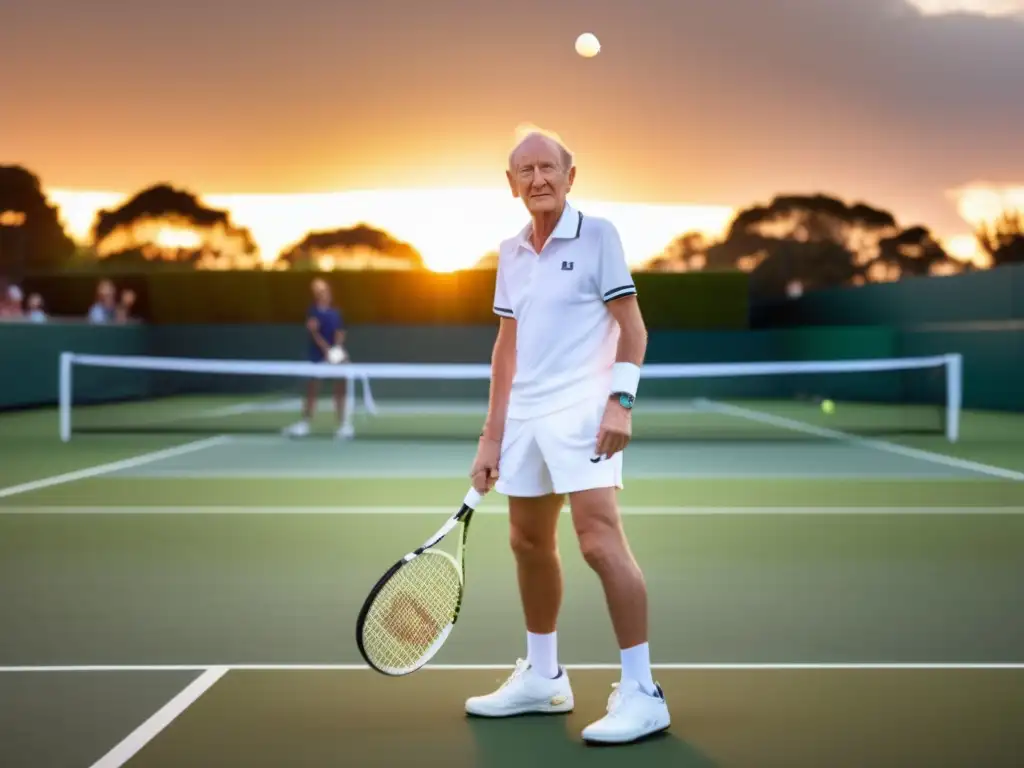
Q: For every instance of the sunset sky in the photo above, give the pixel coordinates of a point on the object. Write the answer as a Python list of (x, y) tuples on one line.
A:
[(711, 103)]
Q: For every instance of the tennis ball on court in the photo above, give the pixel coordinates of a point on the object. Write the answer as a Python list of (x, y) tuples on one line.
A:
[(828, 406), (587, 45)]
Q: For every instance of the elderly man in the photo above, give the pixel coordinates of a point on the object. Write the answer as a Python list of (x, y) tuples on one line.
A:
[(564, 374)]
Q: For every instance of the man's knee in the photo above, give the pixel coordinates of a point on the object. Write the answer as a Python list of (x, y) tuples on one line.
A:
[(532, 526), (598, 527), (528, 545), (600, 548)]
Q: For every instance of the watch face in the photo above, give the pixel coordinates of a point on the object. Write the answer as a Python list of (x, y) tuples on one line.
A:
[(625, 401)]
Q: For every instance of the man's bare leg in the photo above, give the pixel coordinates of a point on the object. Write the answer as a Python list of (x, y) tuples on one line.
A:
[(533, 524), (598, 524), (340, 391), (312, 393)]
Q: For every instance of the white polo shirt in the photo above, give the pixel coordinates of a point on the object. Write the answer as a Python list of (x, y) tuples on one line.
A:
[(566, 339)]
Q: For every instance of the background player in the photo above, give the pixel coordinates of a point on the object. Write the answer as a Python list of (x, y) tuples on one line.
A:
[(565, 370), (326, 329)]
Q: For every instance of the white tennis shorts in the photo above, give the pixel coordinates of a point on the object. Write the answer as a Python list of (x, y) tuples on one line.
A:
[(555, 453)]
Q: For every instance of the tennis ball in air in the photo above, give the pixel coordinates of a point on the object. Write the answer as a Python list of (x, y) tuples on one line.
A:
[(587, 45), (828, 406)]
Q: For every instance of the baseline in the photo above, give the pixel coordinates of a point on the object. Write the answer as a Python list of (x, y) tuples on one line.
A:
[(724, 666), (485, 509)]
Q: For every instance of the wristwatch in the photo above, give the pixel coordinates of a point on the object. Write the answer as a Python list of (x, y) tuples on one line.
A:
[(625, 399)]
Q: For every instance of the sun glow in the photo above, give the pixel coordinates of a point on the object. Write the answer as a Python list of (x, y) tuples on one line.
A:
[(980, 204), (177, 237), (165, 234), (994, 8), (452, 228)]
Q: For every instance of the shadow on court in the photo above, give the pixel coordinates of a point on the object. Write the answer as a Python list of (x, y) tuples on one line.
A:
[(549, 739), (792, 718)]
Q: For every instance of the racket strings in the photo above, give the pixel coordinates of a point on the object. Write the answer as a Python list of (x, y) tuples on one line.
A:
[(412, 611)]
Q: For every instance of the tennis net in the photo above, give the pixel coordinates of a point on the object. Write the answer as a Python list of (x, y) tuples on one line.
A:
[(783, 400)]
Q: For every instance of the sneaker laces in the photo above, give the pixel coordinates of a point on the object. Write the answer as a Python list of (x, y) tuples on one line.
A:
[(613, 699), (518, 672), (618, 696)]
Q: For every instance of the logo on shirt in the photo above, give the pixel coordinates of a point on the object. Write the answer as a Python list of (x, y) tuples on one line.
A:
[(567, 266)]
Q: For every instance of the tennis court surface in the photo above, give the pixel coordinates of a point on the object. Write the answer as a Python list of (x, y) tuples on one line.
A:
[(817, 598)]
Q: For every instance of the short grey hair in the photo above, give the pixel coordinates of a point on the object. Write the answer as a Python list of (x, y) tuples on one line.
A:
[(564, 151)]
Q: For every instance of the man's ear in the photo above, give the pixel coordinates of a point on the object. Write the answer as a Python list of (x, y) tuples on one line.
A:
[(512, 184)]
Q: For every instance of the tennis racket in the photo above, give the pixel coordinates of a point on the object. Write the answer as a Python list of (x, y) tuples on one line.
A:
[(412, 608)]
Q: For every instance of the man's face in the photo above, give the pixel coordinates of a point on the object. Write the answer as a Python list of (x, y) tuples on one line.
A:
[(539, 177), (321, 293)]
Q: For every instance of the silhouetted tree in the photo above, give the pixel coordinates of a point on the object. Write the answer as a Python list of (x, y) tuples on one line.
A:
[(163, 224), (1003, 239), (805, 242), (912, 252), (31, 235), (687, 252), (793, 264), (358, 247)]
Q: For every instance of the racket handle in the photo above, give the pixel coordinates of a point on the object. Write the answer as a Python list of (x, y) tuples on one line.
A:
[(473, 498)]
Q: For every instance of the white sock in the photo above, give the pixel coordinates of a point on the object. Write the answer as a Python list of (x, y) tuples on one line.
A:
[(636, 665), (542, 653)]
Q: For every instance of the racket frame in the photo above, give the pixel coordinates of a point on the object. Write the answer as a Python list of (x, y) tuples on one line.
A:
[(463, 516)]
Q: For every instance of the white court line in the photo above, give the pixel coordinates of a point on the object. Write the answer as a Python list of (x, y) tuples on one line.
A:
[(114, 466), (163, 717), (664, 511), (723, 666), (366, 473), (880, 445)]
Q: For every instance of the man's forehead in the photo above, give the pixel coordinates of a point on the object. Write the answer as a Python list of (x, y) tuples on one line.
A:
[(535, 149)]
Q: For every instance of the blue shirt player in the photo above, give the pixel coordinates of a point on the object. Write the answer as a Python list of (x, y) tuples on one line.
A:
[(326, 329)]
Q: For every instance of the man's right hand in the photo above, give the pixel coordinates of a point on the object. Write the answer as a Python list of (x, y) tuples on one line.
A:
[(484, 472)]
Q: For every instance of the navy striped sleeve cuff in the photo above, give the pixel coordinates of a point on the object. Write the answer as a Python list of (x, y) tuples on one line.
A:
[(618, 293), (503, 311)]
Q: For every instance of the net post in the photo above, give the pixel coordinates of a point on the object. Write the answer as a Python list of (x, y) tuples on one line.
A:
[(64, 394), (954, 395)]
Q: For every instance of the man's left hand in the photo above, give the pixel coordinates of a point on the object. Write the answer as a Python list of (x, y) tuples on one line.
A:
[(616, 429)]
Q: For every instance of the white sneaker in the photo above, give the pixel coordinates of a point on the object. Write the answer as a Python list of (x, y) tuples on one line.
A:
[(632, 714), (524, 692), (298, 429), (345, 432)]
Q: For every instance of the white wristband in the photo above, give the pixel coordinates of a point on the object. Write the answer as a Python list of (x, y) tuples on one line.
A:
[(625, 378)]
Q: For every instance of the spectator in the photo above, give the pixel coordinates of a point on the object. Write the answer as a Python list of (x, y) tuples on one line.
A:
[(104, 310), (36, 310), (124, 309), (10, 303)]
